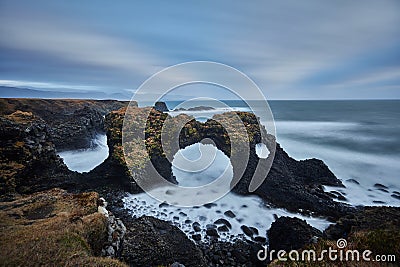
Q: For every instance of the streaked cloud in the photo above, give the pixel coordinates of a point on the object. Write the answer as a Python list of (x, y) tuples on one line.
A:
[(291, 49)]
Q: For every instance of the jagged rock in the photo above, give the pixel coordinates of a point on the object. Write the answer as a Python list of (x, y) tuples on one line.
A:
[(290, 234), (72, 124), (291, 184), (161, 106), (151, 242), (28, 160)]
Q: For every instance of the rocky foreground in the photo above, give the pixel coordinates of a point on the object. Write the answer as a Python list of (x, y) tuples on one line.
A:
[(51, 226)]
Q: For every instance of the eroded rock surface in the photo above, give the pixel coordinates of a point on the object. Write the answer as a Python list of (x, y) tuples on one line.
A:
[(153, 242), (291, 184), (291, 234), (72, 123), (28, 159)]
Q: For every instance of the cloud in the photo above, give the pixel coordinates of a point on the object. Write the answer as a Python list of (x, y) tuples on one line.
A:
[(290, 48), (77, 45)]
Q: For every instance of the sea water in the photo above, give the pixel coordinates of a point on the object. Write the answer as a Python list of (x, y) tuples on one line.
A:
[(358, 140)]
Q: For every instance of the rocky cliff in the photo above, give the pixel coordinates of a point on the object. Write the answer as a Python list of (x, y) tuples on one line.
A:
[(72, 123), (28, 159), (291, 184)]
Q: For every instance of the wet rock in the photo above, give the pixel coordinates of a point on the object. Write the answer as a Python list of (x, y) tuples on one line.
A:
[(211, 226), (290, 233), (396, 196), (229, 214), (354, 181), (210, 205), (196, 226), (223, 228), (152, 242), (260, 239), (181, 213), (223, 221), (249, 232), (164, 204), (196, 237), (380, 186), (212, 232)]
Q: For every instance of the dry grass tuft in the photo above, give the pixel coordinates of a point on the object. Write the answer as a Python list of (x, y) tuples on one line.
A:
[(53, 228)]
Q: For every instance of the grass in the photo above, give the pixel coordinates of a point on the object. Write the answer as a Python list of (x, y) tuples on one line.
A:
[(69, 232)]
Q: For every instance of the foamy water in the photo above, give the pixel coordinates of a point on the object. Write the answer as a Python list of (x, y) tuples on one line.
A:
[(84, 160), (302, 139), (239, 210), (356, 143)]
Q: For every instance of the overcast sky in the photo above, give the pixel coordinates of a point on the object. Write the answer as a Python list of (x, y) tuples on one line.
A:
[(291, 49)]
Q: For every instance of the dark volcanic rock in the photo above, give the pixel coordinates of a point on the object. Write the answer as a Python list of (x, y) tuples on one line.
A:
[(212, 232), (296, 185), (209, 205), (196, 237), (367, 218), (152, 242), (290, 233), (198, 108), (239, 253), (161, 106), (223, 221), (72, 123), (223, 228), (291, 184), (249, 232), (114, 171), (196, 226), (230, 214), (354, 181), (28, 159)]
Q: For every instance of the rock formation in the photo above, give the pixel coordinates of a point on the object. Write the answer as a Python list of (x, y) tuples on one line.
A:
[(291, 184), (72, 124), (28, 159)]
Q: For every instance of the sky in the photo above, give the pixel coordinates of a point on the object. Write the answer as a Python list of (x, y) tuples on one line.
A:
[(312, 49)]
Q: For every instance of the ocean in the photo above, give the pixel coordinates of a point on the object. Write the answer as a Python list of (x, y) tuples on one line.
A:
[(358, 140)]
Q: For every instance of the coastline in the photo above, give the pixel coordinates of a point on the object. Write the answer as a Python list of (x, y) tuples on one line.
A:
[(45, 170)]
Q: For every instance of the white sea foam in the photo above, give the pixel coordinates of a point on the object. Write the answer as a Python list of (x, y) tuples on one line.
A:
[(249, 210), (367, 168), (85, 160)]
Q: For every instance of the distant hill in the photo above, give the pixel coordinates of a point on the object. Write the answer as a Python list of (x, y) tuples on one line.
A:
[(16, 92)]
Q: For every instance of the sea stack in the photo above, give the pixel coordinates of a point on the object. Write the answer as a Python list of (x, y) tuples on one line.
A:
[(161, 106)]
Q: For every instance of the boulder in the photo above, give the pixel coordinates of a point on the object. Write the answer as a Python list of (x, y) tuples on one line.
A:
[(288, 233), (161, 106), (152, 242)]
